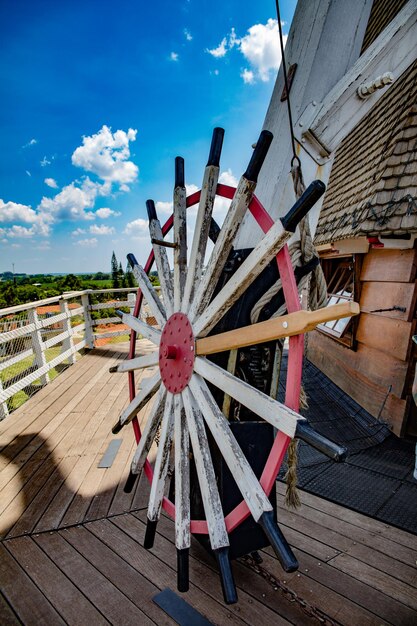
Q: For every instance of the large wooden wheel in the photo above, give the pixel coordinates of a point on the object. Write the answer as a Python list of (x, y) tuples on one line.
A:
[(183, 407)]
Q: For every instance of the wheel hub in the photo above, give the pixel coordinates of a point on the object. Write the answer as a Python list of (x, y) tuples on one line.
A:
[(176, 353)]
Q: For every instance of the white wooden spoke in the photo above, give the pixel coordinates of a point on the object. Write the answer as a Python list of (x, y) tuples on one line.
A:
[(205, 471), (140, 362), (180, 239), (182, 476), (148, 388), (162, 264), (258, 259), (201, 232), (149, 431), (150, 295), (153, 334), (236, 461), (162, 460), (222, 247), (266, 407)]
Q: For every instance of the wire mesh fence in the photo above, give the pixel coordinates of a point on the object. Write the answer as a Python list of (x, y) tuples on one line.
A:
[(40, 340)]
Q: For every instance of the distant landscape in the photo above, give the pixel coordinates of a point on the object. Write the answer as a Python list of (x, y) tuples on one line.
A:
[(22, 288)]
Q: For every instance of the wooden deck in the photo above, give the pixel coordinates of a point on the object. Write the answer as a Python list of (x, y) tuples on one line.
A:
[(71, 548)]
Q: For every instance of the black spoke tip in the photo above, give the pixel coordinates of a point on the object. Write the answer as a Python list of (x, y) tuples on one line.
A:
[(179, 172), (150, 207), (132, 260), (258, 156), (278, 542), (226, 575), (113, 369), (119, 312), (183, 577), (150, 534), (334, 451), (300, 209), (117, 428), (130, 482), (216, 147)]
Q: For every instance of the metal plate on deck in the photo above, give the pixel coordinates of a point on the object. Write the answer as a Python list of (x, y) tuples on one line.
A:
[(110, 453), (177, 608)]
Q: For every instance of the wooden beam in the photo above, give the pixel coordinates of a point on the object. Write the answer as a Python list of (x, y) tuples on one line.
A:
[(273, 329), (272, 411), (243, 474), (149, 432)]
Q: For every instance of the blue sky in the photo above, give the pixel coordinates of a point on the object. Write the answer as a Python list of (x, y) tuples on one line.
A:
[(97, 99)]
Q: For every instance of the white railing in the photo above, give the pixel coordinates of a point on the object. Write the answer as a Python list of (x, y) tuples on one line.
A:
[(40, 339)]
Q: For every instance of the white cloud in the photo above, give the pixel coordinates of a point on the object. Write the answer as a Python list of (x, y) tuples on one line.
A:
[(220, 51), (105, 212), (260, 47), (32, 142), (28, 173), (102, 230), (78, 231), (248, 76), (187, 35), (228, 178), (16, 245), (45, 162), (106, 154), (137, 228), (20, 231), (164, 208), (72, 202), (12, 212), (87, 243), (173, 56), (51, 182)]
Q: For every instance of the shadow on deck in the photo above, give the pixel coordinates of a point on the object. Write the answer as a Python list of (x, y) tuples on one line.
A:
[(71, 547)]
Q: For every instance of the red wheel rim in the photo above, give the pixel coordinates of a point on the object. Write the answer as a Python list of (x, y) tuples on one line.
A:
[(294, 370)]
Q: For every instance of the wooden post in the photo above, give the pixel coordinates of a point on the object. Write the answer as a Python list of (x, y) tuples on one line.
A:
[(4, 409), (68, 343), (88, 333), (37, 344)]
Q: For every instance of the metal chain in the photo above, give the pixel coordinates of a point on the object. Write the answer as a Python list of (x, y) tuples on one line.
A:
[(308, 608)]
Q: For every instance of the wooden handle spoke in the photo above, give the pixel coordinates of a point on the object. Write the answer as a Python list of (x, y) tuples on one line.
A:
[(141, 362), (149, 387), (150, 294), (273, 329), (182, 476), (205, 471), (161, 461), (266, 407), (248, 484), (149, 431), (153, 334)]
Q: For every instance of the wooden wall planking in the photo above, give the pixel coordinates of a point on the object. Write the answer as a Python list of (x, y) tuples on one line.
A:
[(365, 375), (387, 335), (397, 266), (380, 295)]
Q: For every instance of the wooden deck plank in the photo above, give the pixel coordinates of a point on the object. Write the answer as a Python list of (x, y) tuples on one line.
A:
[(111, 603), (29, 604), (123, 531), (259, 602), (69, 602), (353, 517), (7, 615), (128, 580)]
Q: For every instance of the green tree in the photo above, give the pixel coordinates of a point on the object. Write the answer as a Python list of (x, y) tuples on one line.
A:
[(129, 277), (70, 283), (114, 271)]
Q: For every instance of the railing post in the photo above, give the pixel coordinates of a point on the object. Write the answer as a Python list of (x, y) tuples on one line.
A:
[(131, 298), (68, 342), (88, 333), (4, 409), (37, 344)]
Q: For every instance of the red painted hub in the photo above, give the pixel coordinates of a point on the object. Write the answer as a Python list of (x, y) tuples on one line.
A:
[(176, 353)]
